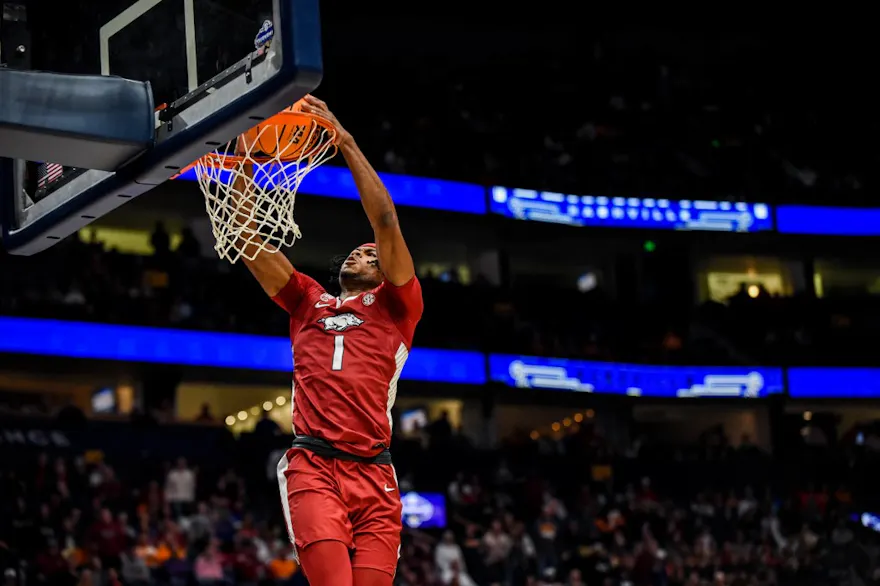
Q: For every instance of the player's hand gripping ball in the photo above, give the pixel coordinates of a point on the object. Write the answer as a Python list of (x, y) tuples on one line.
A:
[(283, 137)]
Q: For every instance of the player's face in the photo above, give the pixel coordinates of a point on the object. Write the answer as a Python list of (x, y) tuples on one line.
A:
[(361, 266)]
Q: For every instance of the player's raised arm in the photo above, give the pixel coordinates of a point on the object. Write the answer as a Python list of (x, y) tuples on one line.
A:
[(285, 285), (271, 268), (394, 257)]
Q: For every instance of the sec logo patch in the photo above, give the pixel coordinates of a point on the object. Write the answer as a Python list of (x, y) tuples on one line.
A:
[(326, 297), (369, 299)]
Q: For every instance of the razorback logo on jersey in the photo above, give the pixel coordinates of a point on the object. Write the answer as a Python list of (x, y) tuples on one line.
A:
[(341, 322)]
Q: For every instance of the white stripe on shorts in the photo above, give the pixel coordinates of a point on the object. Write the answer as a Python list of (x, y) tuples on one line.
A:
[(283, 463)]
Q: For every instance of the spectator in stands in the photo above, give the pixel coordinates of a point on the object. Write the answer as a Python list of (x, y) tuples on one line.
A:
[(282, 566), (51, 565), (160, 240), (246, 565), (496, 546), (266, 426), (189, 247), (198, 526), (205, 415), (108, 538), (134, 568), (180, 488), (209, 570), (449, 561)]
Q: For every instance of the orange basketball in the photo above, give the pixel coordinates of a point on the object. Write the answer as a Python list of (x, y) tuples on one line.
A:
[(285, 137)]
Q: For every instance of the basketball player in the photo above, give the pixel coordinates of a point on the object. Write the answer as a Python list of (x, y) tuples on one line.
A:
[(338, 488)]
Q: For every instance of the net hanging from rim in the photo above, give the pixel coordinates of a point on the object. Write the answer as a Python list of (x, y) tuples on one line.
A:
[(250, 186)]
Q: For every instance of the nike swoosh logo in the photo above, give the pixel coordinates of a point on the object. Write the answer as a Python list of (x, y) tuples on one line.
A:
[(320, 305), (387, 489)]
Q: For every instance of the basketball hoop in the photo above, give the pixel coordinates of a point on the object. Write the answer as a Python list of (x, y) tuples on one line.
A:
[(250, 186)]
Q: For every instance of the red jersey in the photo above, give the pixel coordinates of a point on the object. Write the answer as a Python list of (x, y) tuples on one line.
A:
[(349, 356)]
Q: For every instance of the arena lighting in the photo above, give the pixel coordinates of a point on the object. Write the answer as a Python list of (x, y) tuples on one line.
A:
[(242, 415), (281, 400), (230, 420), (267, 406)]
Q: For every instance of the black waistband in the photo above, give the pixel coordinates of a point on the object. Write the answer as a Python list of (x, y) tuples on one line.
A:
[(327, 450)]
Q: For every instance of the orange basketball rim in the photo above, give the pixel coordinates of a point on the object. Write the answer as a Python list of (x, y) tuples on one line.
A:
[(289, 136)]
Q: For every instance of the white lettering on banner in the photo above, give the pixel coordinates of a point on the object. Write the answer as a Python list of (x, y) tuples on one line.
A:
[(546, 206), (534, 376), (726, 385), (34, 437), (531, 376)]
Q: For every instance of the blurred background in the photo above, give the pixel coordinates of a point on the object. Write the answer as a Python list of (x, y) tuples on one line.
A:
[(648, 355)]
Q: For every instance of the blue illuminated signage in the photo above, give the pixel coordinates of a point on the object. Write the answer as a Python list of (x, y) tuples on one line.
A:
[(828, 221), (424, 510), (45, 337), (166, 346), (630, 212), (637, 380), (833, 383), (407, 190), (589, 210)]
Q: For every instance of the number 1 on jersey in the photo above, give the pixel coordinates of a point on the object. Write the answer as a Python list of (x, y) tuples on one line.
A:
[(338, 351)]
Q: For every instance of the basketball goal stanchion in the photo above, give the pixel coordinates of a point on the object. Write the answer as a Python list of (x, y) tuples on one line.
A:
[(250, 186)]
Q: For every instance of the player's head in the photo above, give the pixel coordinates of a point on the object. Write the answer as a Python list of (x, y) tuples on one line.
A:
[(360, 269)]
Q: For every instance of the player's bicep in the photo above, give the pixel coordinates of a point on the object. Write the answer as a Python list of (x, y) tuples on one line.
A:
[(272, 271), (395, 259)]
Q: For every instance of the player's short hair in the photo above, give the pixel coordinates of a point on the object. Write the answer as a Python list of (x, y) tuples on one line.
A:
[(335, 266)]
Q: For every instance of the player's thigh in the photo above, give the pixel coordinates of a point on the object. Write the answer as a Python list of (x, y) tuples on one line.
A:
[(375, 515), (326, 563), (376, 551), (310, 497)]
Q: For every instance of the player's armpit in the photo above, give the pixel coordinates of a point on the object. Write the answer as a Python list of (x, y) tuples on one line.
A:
[(297, 288)]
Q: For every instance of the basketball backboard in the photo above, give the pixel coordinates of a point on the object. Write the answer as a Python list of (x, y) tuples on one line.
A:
[(215, 68)]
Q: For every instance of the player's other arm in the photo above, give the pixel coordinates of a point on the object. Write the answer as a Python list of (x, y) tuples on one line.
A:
[(394, 256), (273, 271)]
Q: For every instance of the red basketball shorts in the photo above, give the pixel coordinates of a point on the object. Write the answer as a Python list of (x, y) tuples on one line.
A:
[(355, 503)]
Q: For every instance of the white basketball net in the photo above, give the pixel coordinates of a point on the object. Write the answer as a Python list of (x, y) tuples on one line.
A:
[(250, 215)]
